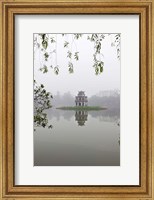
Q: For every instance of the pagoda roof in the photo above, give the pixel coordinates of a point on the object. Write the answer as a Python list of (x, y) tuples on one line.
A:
[(81, 93)]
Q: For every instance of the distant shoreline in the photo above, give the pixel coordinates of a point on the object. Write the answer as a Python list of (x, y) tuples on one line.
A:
[(82, 108)]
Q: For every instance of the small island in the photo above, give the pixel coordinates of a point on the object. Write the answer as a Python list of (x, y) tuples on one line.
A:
[(81, 102), (88, 108)]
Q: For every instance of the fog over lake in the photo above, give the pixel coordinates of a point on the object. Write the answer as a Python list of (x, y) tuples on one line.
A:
[(71, 135), (80, 138)]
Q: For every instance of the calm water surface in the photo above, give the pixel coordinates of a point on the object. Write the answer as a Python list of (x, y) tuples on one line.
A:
[(78, 139)]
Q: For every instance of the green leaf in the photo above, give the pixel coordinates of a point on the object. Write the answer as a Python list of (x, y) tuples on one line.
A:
[(56, 70), (66, 44), (44, 69), (69, 54), (102, 36), (70, 67), (101, 69), (42, 36), (52, 40), (44, 44), (76, 56), (77, 36), (71, 70), (46, 55), (98, 47), (96, 70)]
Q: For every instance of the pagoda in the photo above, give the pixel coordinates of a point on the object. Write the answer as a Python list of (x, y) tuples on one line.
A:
[(81, 99)]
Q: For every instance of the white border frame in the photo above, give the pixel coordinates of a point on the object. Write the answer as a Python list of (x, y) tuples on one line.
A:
[(128, 172)]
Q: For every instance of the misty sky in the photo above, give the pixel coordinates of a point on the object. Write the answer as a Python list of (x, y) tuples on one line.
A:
[(84, 77)]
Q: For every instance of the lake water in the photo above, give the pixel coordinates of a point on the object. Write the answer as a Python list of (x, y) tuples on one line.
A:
[(78, 139)]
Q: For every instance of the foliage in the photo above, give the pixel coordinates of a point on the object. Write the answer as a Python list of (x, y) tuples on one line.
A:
[(70, 67), (69, 54), (97, 56), (117, 44), (41, 103), (66, 44), (72, 54), (44, 69), (77, 36), (46, 55), (44, 41), (56, 70), (76, 56)]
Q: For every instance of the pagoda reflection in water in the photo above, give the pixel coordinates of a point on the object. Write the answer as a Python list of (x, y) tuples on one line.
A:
[(81, 117)]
